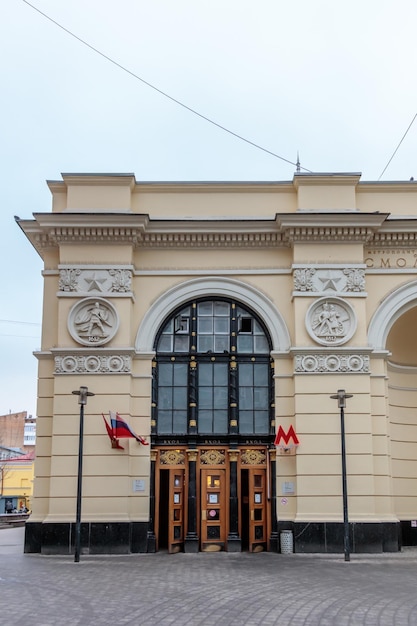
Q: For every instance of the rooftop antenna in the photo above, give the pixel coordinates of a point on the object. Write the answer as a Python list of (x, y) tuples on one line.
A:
[(298, 164)]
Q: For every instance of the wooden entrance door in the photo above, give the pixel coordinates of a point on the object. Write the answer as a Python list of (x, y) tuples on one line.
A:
[(213, 510), (257, 500), (176, 511)]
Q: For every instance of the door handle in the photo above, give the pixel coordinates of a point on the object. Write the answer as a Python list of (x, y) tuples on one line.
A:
[(204, 515)]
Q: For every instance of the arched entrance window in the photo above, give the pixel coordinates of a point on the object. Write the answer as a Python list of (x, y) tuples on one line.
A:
[(212, 427), (213, 373)]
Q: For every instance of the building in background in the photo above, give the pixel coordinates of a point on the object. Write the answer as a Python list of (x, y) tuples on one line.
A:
[(16, 481), (213, 317), (18, 431), (17, 456)]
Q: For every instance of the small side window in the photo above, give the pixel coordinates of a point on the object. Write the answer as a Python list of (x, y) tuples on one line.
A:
[(182, 325), (245, 324)]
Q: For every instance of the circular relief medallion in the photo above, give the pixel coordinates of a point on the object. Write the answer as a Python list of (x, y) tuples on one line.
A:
[(355, 363), (332, 363), (92, 364), (69, 364), (93, 322), (115, 364), (310, 363), (331, 321)]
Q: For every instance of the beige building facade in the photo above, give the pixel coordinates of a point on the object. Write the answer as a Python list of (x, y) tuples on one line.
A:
[(211, 316)]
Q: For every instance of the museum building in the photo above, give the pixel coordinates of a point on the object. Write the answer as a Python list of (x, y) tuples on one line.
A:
[(216, 320)]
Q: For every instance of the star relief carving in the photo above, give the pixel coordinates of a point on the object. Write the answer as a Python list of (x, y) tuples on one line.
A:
[(94, 283), (330, 281)]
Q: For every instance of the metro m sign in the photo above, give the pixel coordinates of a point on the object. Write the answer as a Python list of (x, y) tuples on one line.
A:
[(286, 436)]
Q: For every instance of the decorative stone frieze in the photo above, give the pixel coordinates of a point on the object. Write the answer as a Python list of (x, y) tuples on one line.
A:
[(84, 280), (309, 280), (93, 364), (332, 363), (93, 321), (331, 321)]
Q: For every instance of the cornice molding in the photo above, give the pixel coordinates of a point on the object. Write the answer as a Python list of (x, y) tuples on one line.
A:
[(50, 230), (318, 227), (328, 179)]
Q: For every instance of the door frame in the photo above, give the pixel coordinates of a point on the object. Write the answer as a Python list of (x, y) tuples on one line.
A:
[(250, 458)]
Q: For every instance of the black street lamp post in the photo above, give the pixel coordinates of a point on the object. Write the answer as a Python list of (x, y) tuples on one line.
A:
[(341, 403), (82, 394)]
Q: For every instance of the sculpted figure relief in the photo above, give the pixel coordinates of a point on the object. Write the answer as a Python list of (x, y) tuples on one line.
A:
[(331, 321), (327, 322), (93, 321)]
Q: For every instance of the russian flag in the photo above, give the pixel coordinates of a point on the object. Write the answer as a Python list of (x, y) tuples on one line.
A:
[(122, 429), (114, 442)]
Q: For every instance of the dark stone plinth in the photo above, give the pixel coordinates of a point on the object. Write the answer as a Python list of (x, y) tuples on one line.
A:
[(96, 538)]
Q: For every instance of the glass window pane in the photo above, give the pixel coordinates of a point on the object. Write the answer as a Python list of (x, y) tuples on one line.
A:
[(245, 398), (257, 481), (205, 343), (205, 308), (244, 343), (220, 397), (165, 398), (181, 343), (180, 374), (165, 343), (205, 374), (169, 326), (221, 308), (180, 398), (260, 400), (261, 345), (220, 374), (205, 325), (205, 421), (257, 328), (245, 374), (220, 422), (180, 422), (221, 325), (221, 343), (205, 397), (165, 374), (246, 422), (260, 374), (164, 421), (261, 422)]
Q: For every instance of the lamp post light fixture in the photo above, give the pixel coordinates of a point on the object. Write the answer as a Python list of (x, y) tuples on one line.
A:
[(82, 394), (341, 403)]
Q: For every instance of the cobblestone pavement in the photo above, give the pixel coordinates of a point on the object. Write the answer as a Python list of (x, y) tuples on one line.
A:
[(205, 589)]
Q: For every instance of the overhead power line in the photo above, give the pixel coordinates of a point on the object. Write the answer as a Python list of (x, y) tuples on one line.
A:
[(17, 322), (163, 93), (396, 149)]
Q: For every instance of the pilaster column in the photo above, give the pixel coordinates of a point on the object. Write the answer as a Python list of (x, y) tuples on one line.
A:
[(273, 540), (191, 539), (234, 543), (151, 526)]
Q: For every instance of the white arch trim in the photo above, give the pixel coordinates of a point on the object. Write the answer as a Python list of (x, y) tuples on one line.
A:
[(396, 304), (216, 287)]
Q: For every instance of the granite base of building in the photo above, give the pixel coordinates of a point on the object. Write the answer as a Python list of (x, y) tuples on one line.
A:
[(409, 533), (133, 537), (328, 537), (96, 538)]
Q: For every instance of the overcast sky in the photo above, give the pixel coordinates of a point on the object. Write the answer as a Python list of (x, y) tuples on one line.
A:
[(332, 80)]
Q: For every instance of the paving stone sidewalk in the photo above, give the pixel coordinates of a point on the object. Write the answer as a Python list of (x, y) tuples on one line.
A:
[(205, 589)]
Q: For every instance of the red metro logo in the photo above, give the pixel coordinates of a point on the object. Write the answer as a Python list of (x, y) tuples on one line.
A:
[(286, 436)]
